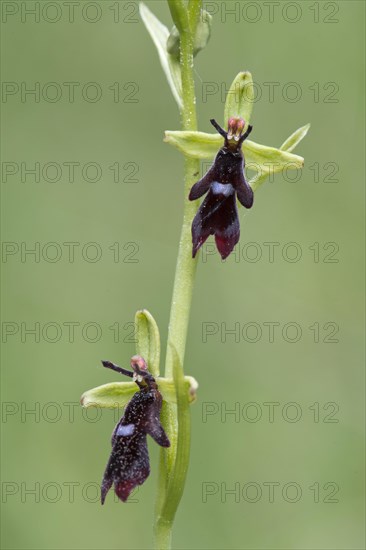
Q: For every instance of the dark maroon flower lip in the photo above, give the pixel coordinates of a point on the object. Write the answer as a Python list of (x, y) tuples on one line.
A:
[(224, 181), (129, 464)]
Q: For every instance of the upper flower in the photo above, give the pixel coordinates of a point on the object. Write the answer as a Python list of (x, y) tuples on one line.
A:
[(224, 181), (262, 159), (217, 214)]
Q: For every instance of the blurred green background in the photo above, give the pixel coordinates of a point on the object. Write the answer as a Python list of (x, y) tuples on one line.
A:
[(53, 459)]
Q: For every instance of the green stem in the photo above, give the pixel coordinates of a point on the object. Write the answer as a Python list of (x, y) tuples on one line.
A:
[(186, 267), (194, 11), (179, 14), (163, 534), (174, 461)]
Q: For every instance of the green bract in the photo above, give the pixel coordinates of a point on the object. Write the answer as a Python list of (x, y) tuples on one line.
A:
[(262, 159), (168, 44), (178, 454), (170, 64)]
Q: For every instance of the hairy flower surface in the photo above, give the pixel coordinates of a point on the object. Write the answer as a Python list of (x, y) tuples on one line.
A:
[(225, 180), (129, 464)]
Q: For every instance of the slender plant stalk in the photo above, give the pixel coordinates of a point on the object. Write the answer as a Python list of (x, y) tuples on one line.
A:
[(174, 461), (186, 267)]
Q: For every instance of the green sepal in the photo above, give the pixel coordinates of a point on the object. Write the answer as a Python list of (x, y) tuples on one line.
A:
[(258, 157), (269, 159), (109, 396), (288, 145), (198, 145), (118, 394), (148, 340), (240, 98)]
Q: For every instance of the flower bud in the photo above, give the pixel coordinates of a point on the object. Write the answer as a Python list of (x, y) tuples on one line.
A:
[(202, 36)]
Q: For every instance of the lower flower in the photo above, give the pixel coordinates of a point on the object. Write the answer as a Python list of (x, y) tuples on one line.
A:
[(129, 464)]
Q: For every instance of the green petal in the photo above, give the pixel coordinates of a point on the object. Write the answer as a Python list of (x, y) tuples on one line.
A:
[(295, 138), (159, 34), (195, 144), (240, 97), (290, 143), (118, 394)]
